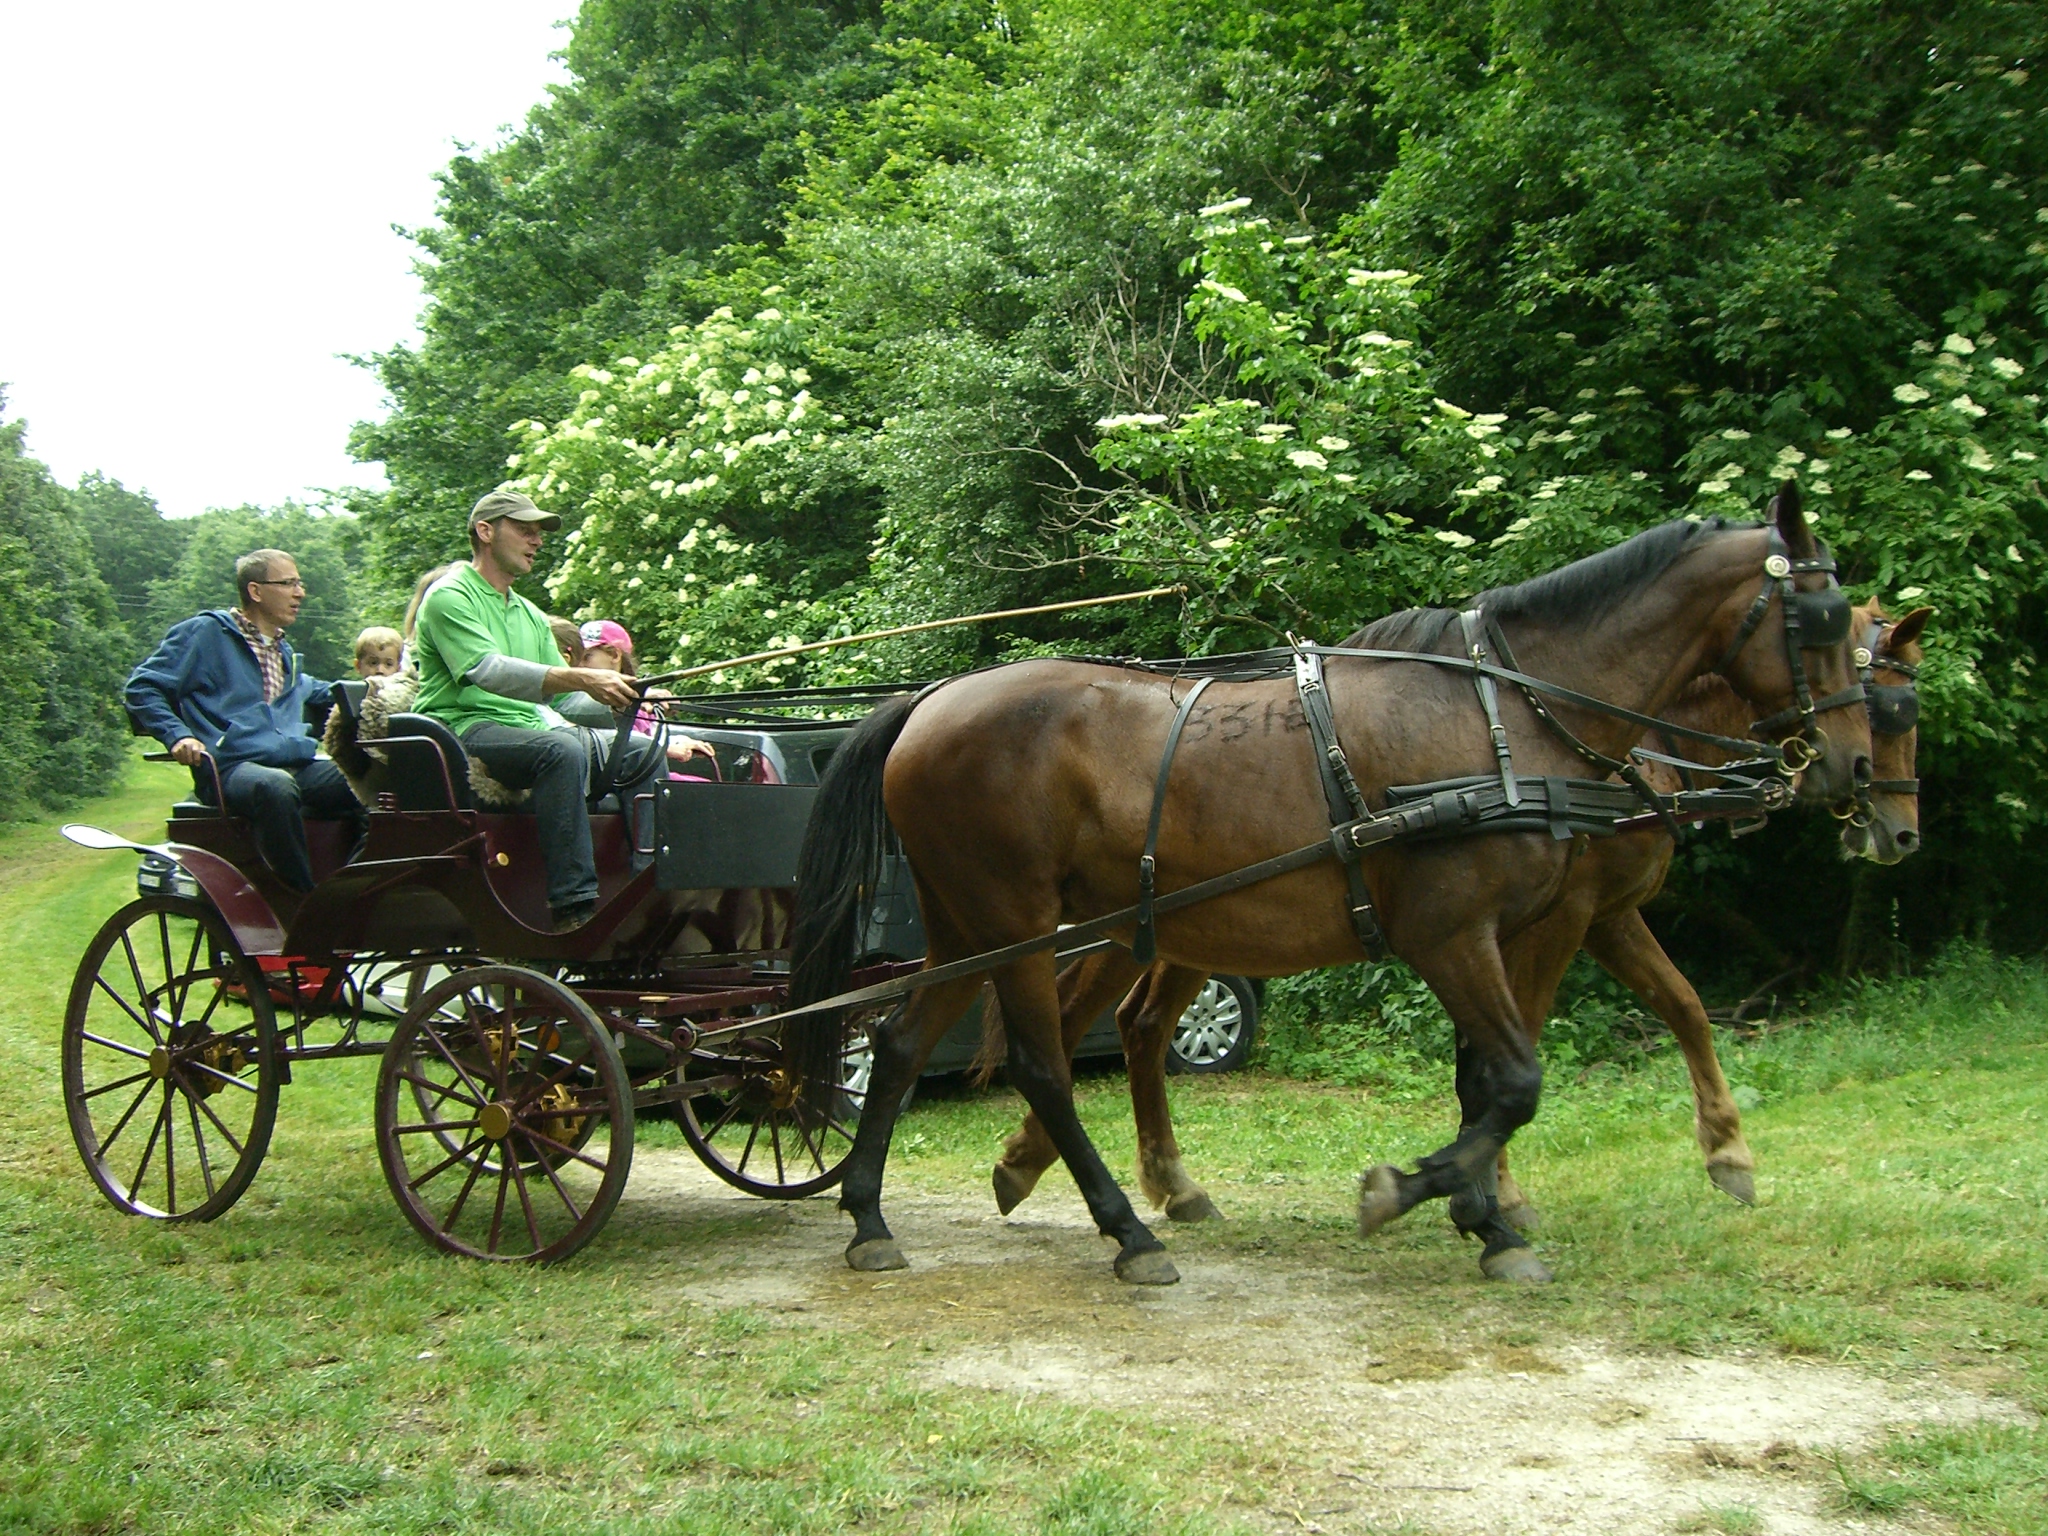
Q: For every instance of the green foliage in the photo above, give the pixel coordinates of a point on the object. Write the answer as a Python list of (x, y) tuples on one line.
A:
[(61, 726), (133, 543), (326, 549), (1502, 285)]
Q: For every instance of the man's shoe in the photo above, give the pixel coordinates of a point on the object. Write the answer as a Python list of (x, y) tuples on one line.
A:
[(567, 918)]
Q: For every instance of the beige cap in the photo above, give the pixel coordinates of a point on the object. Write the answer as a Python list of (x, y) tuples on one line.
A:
[(502, 504)]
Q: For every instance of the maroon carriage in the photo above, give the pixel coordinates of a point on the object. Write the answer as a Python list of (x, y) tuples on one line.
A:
[(513, 1059)]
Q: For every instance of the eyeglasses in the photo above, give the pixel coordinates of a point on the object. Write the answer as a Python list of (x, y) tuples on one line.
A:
[(296, 583)]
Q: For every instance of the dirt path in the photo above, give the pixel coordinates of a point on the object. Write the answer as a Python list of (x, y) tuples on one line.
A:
[(1366, 1420)]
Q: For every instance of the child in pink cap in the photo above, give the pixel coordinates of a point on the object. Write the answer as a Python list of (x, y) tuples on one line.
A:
[(606, 644)]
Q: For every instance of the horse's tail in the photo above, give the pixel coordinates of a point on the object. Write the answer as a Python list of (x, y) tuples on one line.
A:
[(994, 1049), (837, 872)]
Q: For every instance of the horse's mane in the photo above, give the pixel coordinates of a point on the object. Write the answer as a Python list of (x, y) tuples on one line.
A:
[(1583, 590)]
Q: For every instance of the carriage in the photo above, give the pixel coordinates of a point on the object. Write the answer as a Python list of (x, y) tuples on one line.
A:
[(513, 1060)]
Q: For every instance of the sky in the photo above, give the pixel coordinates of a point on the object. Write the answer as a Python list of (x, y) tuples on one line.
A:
[(195, 222)]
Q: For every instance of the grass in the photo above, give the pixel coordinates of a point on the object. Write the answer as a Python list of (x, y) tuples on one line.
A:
[(306, 1364)]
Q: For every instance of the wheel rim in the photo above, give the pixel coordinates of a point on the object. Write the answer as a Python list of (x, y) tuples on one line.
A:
[(504, 1117), (1211, 1028), (169, 1061), (760, 1126)]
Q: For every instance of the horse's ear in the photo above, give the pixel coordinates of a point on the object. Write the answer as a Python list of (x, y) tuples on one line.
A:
[(1907, 630), (1790, 516)]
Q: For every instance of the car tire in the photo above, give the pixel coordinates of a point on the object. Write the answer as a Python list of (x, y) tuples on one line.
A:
[(1215, 1034)]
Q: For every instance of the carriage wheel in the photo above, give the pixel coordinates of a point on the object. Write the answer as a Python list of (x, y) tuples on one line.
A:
[(431, 1100), (504, 1116), (764, 1128), (170, 1061)]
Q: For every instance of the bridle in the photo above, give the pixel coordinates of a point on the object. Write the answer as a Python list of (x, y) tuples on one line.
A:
[(1814, 621), (1894, 711)]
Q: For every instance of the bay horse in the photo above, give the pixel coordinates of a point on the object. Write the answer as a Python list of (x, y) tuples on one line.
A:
[(1598, 910), (1020, 797)]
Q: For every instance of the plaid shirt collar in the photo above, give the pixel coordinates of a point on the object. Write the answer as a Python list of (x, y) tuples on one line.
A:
[(268, 657)]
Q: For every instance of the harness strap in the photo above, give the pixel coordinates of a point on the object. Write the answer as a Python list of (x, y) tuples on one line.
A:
[(1341, 794), (1489, 700), (1145, 942)]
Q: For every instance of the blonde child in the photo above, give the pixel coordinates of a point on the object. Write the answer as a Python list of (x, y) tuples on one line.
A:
[(606, 644), (379, 652)]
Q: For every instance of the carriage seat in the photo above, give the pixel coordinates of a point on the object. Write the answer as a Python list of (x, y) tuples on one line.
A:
[(413, 774), (414, 771)]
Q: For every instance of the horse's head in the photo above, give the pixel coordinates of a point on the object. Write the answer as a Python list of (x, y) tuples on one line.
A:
[(1885, 822), (1789, 654)]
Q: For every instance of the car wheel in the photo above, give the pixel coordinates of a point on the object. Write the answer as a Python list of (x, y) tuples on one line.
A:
[(1216, 1032)]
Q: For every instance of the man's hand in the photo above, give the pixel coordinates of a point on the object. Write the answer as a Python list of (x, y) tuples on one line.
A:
[(188, 750), (612, 689)]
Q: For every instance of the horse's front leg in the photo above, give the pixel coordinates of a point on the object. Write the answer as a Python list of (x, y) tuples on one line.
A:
[(902, 1044), (1086, 987), (1038, 1070), (1499, 1087), (1630, 953)]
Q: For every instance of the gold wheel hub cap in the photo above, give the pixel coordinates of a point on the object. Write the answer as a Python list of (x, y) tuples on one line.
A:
[(496, 1120), (160, 1063)]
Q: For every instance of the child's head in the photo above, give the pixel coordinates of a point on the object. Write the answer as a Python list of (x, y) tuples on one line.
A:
[(567, 641), (378, 651), (606, 644)]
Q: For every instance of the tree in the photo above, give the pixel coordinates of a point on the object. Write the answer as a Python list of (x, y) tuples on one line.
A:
[(61, 724), (133, 543)]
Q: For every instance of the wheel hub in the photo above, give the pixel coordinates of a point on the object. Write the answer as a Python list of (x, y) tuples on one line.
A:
[(496, 1120), (556, 1126), (160, 1063)]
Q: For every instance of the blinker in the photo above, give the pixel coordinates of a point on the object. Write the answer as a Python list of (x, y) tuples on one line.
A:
[(1823, 617), (1894, 710)]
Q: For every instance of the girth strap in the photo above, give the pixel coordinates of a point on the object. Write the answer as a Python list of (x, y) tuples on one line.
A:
[(1346, 802), (1145, 942)]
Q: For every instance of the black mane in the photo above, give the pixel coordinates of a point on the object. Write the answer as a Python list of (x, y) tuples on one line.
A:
[(1575, 593)]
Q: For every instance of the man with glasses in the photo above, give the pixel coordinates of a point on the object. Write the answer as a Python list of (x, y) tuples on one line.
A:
[(227, 684)]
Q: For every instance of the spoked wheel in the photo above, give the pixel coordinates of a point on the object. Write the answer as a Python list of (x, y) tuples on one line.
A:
[(504, 1116), (764, 1126), (170, 1061)]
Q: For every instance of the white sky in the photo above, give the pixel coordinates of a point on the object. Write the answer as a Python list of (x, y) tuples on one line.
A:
[(195, 218)]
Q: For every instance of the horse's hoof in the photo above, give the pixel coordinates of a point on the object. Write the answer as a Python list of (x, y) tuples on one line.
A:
[(1194, 1206), (877, 1253), (1148, 1266), (1739, 1184), (1516, 1264), (1011, 1187), (1379, 1198), (1524, 1218)]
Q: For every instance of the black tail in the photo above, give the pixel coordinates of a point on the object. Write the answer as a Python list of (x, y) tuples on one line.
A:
[(837, 872)]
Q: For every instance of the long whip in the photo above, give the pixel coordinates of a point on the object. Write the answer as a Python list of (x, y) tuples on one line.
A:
[(907, 629)]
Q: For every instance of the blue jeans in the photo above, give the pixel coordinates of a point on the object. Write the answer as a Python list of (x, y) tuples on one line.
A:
[(273, 800), (555, 765)]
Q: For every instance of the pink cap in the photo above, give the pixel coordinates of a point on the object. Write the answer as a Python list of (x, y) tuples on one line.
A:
[(607, 633)]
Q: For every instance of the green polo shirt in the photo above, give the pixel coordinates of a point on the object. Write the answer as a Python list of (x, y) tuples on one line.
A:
[(464, 619)]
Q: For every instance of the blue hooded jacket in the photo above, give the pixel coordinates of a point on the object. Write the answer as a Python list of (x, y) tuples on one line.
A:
[(204, 681)]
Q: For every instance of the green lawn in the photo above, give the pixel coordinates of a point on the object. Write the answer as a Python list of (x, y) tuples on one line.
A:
[(306, 1363)]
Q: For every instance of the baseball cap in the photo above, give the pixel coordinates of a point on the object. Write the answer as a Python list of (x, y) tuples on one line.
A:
[(513, 505), (606, 632)]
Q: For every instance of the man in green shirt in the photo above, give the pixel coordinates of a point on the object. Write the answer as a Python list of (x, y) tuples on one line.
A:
[(487, 658)]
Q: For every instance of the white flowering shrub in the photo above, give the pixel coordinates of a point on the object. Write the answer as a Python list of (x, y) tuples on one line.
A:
[(681, 479)]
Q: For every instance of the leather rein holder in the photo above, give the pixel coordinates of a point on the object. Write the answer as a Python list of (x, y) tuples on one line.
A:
[(1145, 941)]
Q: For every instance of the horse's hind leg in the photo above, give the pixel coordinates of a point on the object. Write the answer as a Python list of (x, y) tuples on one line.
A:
[(902, 1044), (1086, 987), (1500, 1088), (1038, 1070), (1146, 1021), (1631, 954)]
